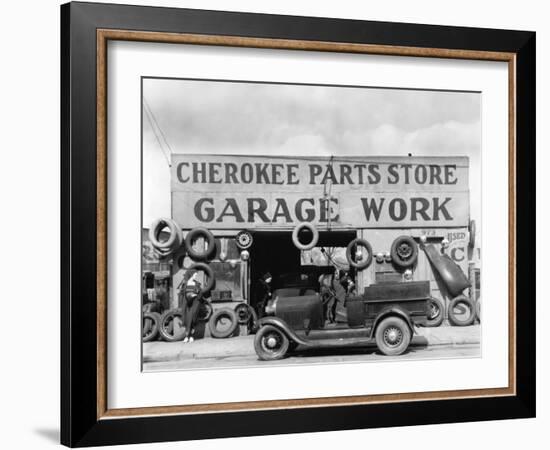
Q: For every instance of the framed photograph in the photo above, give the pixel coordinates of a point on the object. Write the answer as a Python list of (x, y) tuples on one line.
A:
[(277, 224)]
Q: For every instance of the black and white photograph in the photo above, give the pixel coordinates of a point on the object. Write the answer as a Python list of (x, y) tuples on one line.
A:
[(296, 224)]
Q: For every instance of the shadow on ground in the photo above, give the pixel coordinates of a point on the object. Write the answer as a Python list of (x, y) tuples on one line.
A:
[(49, 434)]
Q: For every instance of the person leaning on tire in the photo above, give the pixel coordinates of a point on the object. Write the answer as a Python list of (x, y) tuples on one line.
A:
[(192, 300)]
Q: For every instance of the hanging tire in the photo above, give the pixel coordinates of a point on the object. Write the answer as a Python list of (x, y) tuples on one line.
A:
[(244, 240), (393, 336), (472, 233), (436, 312), (150, 326), (296, 238), (168, 329), (211, 279), (192, 236), (223, 323), (365, 262), (271, 343), (174, 239), (404, 251), (461, 311), (205, 312)]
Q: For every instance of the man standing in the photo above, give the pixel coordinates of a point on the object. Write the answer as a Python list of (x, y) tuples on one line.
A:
[(262, 293)]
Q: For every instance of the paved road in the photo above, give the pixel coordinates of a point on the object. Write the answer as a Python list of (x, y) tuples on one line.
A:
[(318, 357)]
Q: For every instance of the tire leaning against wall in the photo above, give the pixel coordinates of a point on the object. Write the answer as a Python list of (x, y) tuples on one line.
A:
[(478, 309), (456, 321), (435, 303), (165, 318), (151, 333), (227, 313)]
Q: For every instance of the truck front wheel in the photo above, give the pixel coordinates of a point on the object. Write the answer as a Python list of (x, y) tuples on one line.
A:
[(270, 343), (393, 336)]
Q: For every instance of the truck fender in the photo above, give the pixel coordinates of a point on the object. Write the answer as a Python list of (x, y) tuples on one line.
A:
[(283, 326), (392, 311)]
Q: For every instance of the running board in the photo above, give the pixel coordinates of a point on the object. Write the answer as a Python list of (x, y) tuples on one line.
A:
[(335, 333), (341, 342)]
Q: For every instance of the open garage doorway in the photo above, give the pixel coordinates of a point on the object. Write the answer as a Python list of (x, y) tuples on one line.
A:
[(274, 252)]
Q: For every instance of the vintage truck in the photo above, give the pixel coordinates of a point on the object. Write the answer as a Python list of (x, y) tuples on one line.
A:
[(385, 314)]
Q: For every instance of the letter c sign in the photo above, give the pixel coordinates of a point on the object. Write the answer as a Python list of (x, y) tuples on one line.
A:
[(457, 253)]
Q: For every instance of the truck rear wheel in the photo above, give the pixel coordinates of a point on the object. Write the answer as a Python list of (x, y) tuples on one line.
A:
[(393, 336), (270, 343)]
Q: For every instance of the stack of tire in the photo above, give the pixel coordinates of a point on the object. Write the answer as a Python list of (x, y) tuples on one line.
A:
[(171, 327), (225, 321), (168, 326), (175, 238), (461, 312)]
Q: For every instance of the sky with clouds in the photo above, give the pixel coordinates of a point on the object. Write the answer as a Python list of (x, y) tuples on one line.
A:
[(277, 119)]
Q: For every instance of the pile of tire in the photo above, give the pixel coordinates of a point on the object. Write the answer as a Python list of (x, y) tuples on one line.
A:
[(168, 326), (165, 248), (225, 321), (461, 312)]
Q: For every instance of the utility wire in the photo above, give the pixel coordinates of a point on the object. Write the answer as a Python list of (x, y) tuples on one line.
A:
[(157, 137), (157, 124)]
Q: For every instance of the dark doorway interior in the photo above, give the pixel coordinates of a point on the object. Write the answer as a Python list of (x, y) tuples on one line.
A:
[(275, 252), (272, 252)]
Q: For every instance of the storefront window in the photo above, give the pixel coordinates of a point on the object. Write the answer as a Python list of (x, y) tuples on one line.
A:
[(226, 249), (227, 269), (228, 280)]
